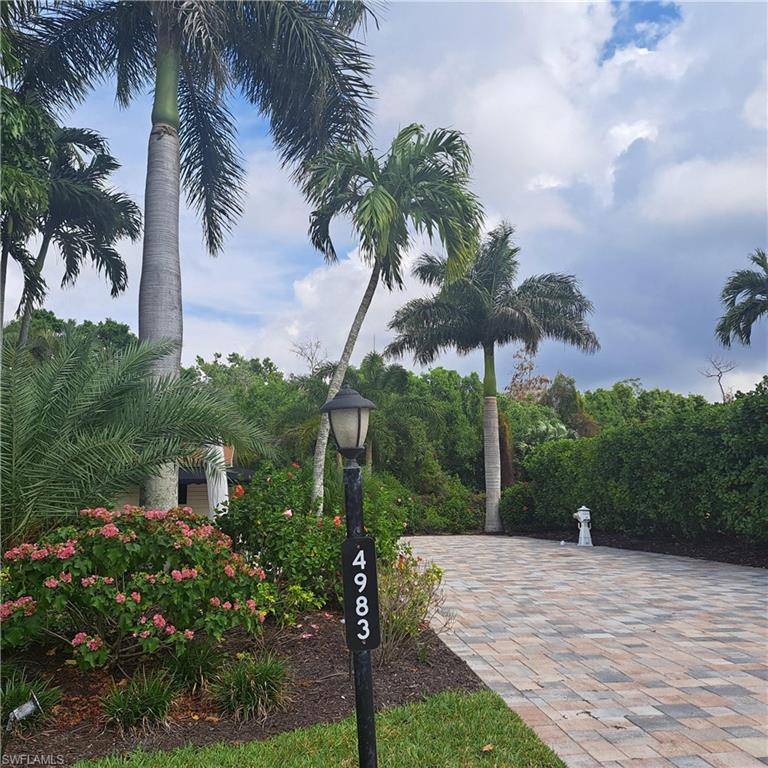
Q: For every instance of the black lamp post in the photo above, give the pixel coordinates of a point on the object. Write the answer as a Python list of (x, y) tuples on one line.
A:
[(348, 413)]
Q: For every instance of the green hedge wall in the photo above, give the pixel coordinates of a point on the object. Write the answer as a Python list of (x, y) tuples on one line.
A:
[(686, 476)]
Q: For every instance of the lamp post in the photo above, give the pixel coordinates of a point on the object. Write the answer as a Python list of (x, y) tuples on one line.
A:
[(348, 414)]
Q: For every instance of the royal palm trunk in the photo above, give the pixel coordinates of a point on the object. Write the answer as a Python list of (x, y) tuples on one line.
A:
[(160, 315), (318, 473), (491, 451), (26, 319)]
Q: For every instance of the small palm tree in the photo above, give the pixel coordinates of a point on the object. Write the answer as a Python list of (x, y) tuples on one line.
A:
[(295, 61), (84, 217), (85, 425), (422, 182), (482, 310), (745, 298)]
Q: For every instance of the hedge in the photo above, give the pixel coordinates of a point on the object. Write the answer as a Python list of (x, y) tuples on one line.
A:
[(686, 476)]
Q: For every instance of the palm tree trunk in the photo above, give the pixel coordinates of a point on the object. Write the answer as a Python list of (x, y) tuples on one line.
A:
[(160, 315), (491, 451), (318, 472), (26, 318)]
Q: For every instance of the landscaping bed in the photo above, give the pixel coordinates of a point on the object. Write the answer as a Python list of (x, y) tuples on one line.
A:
[(452, 730), (320, 691), (721, 549)]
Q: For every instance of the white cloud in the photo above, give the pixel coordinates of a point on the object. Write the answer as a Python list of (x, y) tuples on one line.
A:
[(701, 189), (623, 135), (755, 111)]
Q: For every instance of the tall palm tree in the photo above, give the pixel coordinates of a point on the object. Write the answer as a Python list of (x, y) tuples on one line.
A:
[(485, 309), (422, 182), (84, 218), (745, 298), (294, 60)]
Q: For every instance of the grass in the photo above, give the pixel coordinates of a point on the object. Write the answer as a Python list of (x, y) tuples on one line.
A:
[(452, 730)]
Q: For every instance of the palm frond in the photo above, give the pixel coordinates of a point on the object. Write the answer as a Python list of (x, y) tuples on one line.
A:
[(745, 299), (211, 165)]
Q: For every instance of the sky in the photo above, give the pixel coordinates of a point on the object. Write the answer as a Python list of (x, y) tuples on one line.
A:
[(626, 142)]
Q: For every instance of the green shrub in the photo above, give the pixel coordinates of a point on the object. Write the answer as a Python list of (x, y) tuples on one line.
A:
[(16, 688), (274, 518), (687, 475), (409, 597), (144, 700), (251, 687), (121, 583), (455, 510), (517, 509), (191, 665)]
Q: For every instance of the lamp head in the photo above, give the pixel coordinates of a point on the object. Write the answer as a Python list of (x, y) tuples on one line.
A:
[(348, 413)]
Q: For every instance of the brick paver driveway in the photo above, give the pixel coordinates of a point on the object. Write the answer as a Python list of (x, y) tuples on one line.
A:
[(615, 658)]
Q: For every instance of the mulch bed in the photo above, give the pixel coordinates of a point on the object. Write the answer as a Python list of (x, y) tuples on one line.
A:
[(321, 691), (721, 549)]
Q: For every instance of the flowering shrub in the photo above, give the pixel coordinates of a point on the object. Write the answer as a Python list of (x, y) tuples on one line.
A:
[(122, 583), (273, 517), (410, 597)]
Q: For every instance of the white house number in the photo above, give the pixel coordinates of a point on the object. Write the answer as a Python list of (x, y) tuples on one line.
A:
[(361, 604)]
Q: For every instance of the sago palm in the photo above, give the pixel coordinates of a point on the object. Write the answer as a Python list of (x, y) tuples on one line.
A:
[(745, 298), (86, 425), (84, 217), (485, 309), (420, 183), (294, 60)]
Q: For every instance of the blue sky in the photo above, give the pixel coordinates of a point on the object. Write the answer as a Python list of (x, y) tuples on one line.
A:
[(625, 141)]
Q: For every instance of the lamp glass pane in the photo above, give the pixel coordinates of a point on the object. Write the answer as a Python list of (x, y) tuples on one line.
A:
[(344, 424), (364, 414)]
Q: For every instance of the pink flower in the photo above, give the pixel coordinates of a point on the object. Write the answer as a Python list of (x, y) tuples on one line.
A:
[(176, 575), (66, 577), (262, 616), (229, 570), (337, 521), (39, 554), (288, 513), (108, 580), (238, 491), (79, 638), (251, 603), (95, 644), (226, 605), (215, 602), (170, 629), (136, 597), (146, 633), (158, 620), (189, 634), (143, 620), (51, 582), (109, 530), (262, 574), (120, 598), (88, 581)]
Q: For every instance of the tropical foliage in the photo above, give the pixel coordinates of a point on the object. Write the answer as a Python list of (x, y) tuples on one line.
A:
[(422, 182), (86, 424), (688, 474), (119, 584), (745, 299), (482, 310), (84, 218)]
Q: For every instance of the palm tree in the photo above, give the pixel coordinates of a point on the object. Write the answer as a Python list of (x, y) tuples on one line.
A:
[(294, 60), (485, 309), (421, 181), (87, 424), (84, 218), (745, 298)]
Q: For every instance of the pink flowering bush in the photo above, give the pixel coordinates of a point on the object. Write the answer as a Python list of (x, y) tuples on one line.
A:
[(122, 583)]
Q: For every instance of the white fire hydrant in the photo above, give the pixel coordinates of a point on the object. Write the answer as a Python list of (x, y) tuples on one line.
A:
[(585, 523)]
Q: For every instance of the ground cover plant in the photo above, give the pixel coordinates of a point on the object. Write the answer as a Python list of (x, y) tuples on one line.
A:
[(451, 730)]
